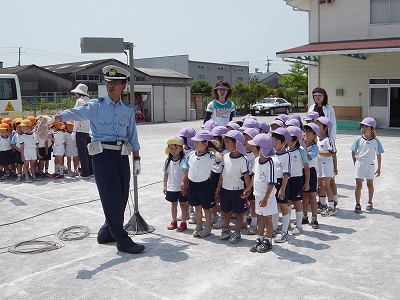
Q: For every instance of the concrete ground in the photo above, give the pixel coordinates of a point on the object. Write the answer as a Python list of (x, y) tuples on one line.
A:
[(351, 256)]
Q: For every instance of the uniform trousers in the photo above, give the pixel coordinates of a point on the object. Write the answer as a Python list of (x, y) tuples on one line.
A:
[(82, 140), (112, 174)]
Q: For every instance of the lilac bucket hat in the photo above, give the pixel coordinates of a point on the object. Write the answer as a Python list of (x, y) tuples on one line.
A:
[(311, 115), (297, 132), (252, 132), (248, 116), (233, 125), (187, 132), (314, 127), (238, 136), (292, 122), (202, 135), (264, 126), (327, 122), (282, 118), (277, 122), (219, 130), (249, 123), (282, 131), (209, 125), (265, 142), (295, 116), (369, 122)]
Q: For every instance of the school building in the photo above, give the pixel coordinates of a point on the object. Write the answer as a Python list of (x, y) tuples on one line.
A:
[(353, 53)]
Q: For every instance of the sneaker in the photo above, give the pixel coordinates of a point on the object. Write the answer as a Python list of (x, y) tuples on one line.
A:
[(255, 245), (275, 233), (314, 224), (305, 221), (219, 223), (248, 220), (19, 179), (173, 225), (214, 219), (329, 212), (244, 225), (322, 209), (297, 231), (319, 205), (196, 230), (358, 210), (264, 247), (369, 206), (204, 232), (225, 234), (182, 227), (36, 178), (235, 237), (335, 204), (58, 176), (71, 174), (282, 237), (252, 230), (29, 179)]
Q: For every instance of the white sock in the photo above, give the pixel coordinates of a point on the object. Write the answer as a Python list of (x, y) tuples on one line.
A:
[(275, 219), (285, 223), (331, 204), (289, 209), (254, 221), (260, 237), (299, 218), (322, 199), (335, 198)]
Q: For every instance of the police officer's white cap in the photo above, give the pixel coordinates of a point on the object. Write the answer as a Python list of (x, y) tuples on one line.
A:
[(115, 73)]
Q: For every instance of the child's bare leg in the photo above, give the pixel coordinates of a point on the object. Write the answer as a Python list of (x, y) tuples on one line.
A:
[(239, 222), (199, 216), (227, 219), (185, 211), (261, 225), (174, 210), (370, 185), (268, 226), (357, 191), (208, 217)]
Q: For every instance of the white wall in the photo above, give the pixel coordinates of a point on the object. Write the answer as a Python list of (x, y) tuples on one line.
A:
[(171, 104), (346, 20)]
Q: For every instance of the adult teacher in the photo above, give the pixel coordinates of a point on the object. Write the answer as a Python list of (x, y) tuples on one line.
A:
[(112, 129), (221, 109)]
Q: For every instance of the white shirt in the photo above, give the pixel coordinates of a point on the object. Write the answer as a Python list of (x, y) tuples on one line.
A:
[(264, 175), (82, 126), (175, 174), (30, 141), (366, 150), (326, 144), (329, 112), (59, 138), (199, 166), (5, 143), (233, 170), (313, 152), (250, 161), (297, 160), (221, 112), (282, 164)]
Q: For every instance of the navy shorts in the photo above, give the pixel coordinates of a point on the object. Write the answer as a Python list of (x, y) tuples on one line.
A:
[(201, 193), (17, 158), (42, 153), (278, 186), (231, 200), (214, 179), (313, 181), (251, 197), (175, 197), (295, 188), (6, 157)]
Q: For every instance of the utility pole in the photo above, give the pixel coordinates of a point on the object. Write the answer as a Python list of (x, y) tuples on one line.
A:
[(19, 56), (268, 64)]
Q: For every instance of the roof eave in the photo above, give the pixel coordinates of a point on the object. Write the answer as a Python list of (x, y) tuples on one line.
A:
[(336, 52)]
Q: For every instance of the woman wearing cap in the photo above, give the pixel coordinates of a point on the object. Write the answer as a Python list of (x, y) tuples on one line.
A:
[(221, 109), (322, 107), (81, 132)]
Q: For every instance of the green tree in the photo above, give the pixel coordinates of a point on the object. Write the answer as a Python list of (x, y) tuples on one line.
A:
[(201, 86), (295, 83), (245, 95)]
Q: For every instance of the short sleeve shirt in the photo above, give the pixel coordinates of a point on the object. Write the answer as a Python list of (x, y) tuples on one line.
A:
[(221, 112), (232, 172)]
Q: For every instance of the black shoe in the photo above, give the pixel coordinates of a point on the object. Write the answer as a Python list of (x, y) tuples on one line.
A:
[(132, 249), (264, 247), (255, 245), (314, 224), (105, 240), (357, 209), (305, 221)]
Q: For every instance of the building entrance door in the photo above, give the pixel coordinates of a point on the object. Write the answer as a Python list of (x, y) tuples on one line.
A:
[(394, 107)]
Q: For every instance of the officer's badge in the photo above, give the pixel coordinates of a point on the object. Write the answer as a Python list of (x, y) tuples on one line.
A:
[(112, 72)]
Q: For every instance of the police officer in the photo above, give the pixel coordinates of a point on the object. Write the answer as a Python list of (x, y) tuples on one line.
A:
[(113, 127)]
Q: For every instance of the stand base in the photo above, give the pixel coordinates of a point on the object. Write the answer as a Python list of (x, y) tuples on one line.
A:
[(137, 225)]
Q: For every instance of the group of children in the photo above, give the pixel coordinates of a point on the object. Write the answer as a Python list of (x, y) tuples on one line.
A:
[(25, 157), (255, 171)]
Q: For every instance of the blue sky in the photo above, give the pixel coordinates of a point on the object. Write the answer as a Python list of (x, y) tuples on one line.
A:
[(49, 31)]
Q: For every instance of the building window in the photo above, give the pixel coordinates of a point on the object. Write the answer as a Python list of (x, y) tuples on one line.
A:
[(379, 97), (220, 77), (385, 11), (200, 67), (240, 70), (220, 68), (240, 78), (200, 76), (90, 77)]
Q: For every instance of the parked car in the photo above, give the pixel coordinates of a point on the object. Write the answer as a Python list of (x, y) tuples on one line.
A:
[(271, 106)]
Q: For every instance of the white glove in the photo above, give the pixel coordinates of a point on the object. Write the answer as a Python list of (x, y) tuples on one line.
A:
[(73, 135), (49, 119), (136, 167)]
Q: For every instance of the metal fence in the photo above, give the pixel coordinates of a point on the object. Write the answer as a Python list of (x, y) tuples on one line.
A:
[(40, 105)]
